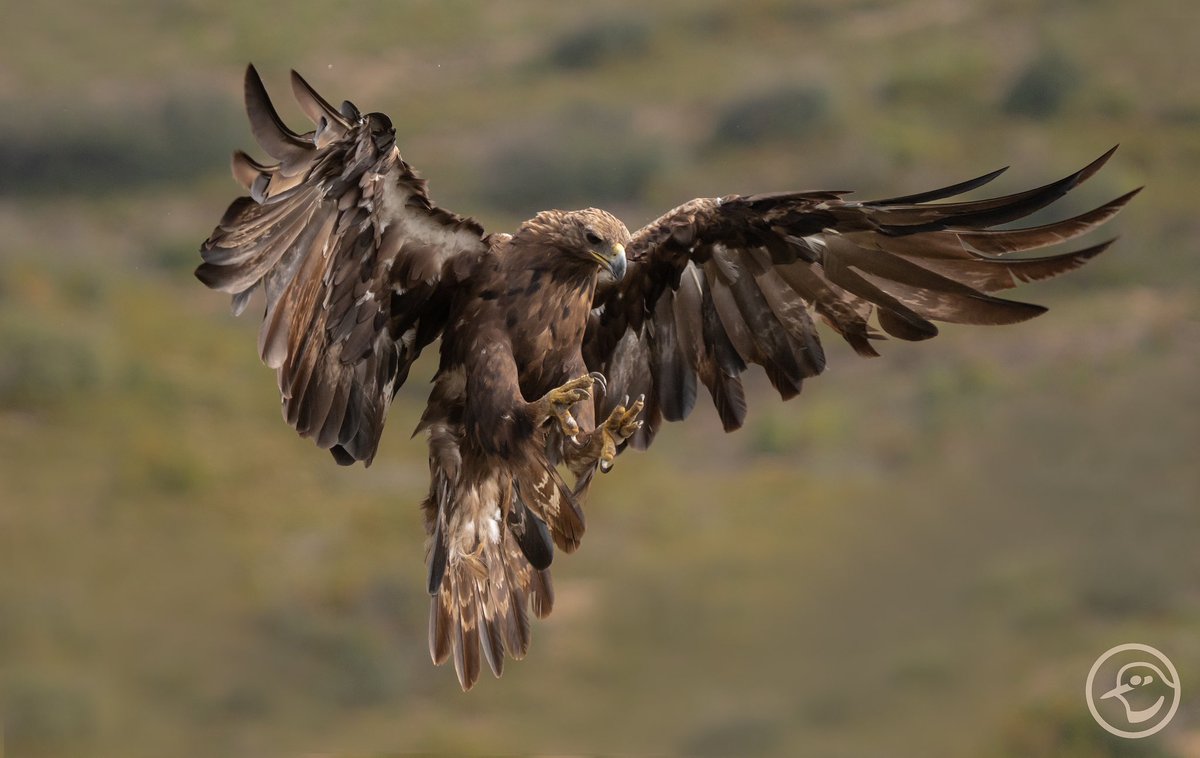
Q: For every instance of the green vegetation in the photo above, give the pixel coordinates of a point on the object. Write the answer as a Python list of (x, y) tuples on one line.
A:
[(176, 138), (791, 113), (1044, 86), (922, 555), (600, 42), (603, 161)]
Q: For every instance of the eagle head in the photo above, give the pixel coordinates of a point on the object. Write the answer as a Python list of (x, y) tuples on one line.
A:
[(590, 236)]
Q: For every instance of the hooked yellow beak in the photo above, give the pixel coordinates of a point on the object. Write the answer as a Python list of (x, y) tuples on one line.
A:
[(614, 261)]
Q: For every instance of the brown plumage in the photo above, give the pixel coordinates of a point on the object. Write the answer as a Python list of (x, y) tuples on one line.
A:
[(545, 331)]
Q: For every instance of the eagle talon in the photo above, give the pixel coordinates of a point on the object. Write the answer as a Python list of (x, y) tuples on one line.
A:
[(557, 404), (600, 380), (620, 425)]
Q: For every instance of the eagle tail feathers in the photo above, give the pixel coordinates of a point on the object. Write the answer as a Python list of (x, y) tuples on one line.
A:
[(488, 559)]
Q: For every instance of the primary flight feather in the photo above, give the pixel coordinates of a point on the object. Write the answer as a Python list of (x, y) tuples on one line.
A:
[(550, 329)]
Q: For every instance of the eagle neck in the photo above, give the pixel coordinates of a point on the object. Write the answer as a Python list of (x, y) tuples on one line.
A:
[(561, 269)]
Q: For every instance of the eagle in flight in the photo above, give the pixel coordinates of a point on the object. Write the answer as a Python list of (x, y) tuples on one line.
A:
[(547, 333)]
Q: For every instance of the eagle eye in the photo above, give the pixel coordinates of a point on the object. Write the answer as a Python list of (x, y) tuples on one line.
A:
[(592, 237)]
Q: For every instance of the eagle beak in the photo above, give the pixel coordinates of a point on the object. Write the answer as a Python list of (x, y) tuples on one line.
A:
[(616, 263)]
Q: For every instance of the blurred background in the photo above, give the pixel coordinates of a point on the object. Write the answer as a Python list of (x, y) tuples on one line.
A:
[(922, 555)]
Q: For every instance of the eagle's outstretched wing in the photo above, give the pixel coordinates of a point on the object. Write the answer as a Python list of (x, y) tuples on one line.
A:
[(717, 284), (354, 259)]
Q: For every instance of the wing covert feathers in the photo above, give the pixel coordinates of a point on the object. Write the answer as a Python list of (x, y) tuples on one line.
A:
[(353, 258), (717, 284)]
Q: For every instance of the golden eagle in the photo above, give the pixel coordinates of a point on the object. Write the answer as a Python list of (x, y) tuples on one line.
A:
[(549, 329)]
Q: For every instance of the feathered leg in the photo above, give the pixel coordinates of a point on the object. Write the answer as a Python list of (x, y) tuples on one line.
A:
[(496, 510)]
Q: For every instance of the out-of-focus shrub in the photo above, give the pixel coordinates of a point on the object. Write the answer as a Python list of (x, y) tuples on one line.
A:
[(941, 79), (600, 42), (746, 736), (1042, 89), (590, 157), (1063, 729), (42, 717), (39, 367), (333, 661), (789, 113), (177, 138)]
